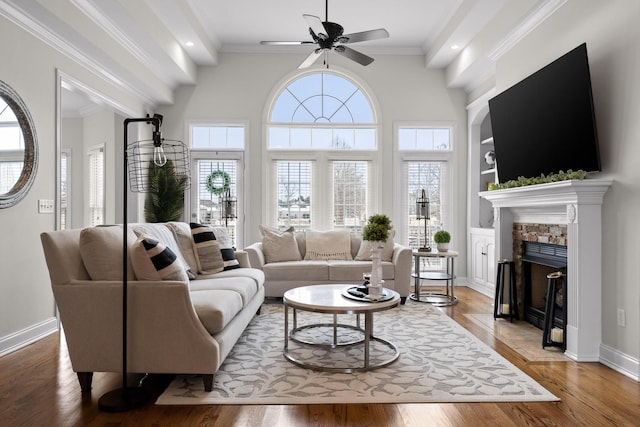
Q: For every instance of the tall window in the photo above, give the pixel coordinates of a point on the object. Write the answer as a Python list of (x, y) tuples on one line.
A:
[(322, 141), (96, 186), (65, 205), (425, 152), (217, 153)]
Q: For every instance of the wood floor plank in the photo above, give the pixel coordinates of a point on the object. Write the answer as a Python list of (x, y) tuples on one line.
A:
[(39, 388)]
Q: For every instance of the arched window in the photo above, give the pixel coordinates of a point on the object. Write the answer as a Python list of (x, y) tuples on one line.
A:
[(322, 111), (322, 142)]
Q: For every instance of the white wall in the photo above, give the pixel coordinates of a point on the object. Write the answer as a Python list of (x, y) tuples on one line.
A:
[(241, 86), (26, 302), (612, 34)]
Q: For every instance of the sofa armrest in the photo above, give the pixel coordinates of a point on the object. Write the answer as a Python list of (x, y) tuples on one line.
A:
[(402, 259), (256, 256)]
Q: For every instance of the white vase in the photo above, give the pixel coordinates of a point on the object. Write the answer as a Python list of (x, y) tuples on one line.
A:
[(376, 264)]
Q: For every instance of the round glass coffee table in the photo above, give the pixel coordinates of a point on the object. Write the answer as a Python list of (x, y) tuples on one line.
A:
[(333, 299)]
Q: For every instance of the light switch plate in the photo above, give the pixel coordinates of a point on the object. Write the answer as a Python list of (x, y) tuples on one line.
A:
[(45, 206)]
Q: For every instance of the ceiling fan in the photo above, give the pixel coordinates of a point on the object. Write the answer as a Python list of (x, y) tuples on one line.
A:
[(329, 36)]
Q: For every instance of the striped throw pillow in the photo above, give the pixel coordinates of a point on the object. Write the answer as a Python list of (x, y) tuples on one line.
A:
[(214, 253), (152, 260)]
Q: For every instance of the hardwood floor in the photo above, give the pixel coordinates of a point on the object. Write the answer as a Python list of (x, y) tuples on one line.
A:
[(38, 388)]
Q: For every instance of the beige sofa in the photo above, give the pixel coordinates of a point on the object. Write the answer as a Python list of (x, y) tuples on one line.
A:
[(174, 326), (280, 276)]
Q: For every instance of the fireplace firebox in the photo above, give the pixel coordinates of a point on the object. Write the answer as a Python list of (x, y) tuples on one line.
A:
[(538, 261)]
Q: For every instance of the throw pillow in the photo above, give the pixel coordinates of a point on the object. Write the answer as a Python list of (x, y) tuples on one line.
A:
[(214, 251), (182, 233), (279, 245), (160, 232), (323, 245), (101, 252), (364, 253), (153, 260)]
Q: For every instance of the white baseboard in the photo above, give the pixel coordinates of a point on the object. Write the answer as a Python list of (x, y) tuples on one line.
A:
[(483, 289), (17, 340), (620, 362)]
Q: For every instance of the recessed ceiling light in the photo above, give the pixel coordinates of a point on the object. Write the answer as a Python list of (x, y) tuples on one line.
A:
[(455, 46), (189, 44)]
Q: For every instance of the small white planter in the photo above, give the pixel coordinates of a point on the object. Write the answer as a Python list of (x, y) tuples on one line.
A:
[(442, 247)]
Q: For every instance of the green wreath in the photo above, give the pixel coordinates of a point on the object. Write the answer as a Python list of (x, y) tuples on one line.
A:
[(215, 187)]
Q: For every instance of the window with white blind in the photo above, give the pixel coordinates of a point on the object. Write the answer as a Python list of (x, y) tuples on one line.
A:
[(65, 200), (217, 157), (96, 186), (294, 193), (322, 140)]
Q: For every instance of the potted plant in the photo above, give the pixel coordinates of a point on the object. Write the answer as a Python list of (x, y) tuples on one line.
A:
[(376, 231), (165, 199), (442, 239)]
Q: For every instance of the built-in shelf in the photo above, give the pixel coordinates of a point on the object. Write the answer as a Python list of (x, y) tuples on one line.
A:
[(488, 171), (487, 141)]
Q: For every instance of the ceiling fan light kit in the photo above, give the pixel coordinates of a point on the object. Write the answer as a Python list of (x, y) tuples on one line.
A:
[(329, 36)]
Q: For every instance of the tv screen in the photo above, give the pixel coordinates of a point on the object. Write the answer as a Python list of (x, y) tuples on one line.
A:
[(546, 122)]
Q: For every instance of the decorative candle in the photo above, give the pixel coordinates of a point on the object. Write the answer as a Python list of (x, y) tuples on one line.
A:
[(557, 335), (505, 308)]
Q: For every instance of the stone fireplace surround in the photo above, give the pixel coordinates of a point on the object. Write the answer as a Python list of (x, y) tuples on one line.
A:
[(578, 205)]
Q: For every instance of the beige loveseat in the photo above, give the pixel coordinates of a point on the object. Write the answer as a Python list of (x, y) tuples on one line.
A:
[(285, 269), (174, 325)]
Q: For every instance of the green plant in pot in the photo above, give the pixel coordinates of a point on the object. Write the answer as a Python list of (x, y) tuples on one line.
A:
[(165, 199), (442, 239)]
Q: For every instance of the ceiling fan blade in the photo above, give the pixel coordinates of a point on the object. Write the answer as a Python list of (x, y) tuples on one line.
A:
[(363, 36), (354, 55), (315, 25), (311, 58), (285, 43)]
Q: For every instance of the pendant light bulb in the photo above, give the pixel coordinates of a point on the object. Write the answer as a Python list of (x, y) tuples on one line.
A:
[(159, 157)]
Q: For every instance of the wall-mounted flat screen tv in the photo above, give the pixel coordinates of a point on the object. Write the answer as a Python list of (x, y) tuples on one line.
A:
[(546, 122)]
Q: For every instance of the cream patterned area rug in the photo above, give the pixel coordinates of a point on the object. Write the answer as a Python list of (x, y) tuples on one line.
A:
[(439, 361)]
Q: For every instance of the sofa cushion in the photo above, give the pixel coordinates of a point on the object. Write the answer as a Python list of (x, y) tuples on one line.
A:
[(101, 252), (244, 286), (153, 260), (254, 274), (216, 308), (350, 271), (324, 245), (163, 234), (297, 270), (279, 245), (206, 239), (364, 253)]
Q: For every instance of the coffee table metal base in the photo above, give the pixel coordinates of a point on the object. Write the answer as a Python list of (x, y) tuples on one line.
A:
[(365, 341)]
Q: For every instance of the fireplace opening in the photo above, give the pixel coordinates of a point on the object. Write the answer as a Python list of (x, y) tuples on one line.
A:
[(539, 260)]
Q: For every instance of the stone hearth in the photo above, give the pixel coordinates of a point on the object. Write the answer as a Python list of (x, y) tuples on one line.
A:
[(578, 205)]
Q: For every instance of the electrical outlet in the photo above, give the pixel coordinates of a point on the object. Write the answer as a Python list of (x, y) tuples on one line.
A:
[(45, 206), (621, 318)]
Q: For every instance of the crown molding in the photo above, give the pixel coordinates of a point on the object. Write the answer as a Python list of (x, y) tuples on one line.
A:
[(530, 23), (31, 26)]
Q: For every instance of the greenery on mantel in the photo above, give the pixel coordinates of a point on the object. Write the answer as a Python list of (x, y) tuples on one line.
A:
[(542, 179), (377, 228)]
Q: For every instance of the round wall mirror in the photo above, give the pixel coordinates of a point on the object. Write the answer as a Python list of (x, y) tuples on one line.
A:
[(18, 147)]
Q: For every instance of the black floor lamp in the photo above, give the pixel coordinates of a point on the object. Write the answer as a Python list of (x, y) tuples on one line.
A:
[(137, 157)]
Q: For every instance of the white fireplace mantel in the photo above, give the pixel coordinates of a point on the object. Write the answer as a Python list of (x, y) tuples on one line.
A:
[(578, 204)]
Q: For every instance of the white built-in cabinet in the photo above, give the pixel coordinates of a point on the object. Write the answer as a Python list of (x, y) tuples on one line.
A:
[(481, 262), (483, 259)]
